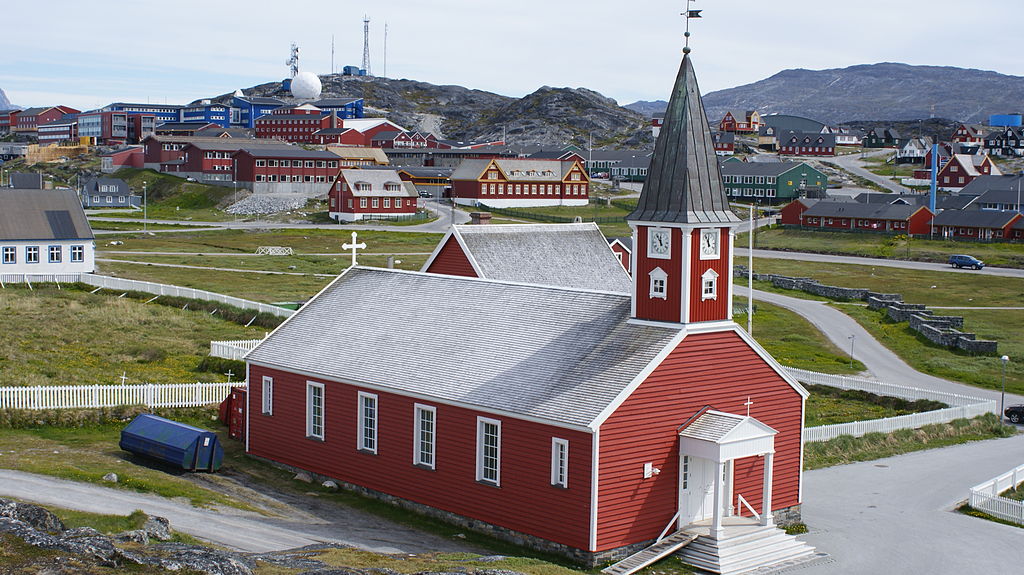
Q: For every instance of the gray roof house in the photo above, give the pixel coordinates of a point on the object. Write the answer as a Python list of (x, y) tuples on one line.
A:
[(109, 193), (43, 233)]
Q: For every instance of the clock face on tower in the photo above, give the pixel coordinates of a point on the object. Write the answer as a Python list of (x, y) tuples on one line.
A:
[(709, 244), (659, 243)]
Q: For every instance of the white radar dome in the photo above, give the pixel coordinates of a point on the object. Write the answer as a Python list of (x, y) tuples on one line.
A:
[(306, 86)]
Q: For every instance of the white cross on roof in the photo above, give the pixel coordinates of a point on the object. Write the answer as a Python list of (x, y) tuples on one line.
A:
[(354, 246)]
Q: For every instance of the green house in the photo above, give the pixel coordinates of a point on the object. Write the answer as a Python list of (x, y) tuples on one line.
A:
[(772, 183)]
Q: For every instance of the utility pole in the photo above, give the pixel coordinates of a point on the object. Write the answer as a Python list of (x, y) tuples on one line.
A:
[(385, 49)]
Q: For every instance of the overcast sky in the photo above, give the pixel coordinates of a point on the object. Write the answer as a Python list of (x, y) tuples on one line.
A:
[(71, 52)]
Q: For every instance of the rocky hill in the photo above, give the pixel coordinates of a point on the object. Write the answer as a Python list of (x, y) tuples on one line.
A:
[(872, 92), (549, 116), (5, 104)]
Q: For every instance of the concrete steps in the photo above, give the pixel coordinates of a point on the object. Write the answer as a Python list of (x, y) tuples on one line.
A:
[(744, 549), (645, 557)]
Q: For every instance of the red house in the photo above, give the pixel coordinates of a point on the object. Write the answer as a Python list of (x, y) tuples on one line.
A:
[(578, 421), (969, 134), (482, 251), (511, 183), (130, 157), (740, 121), (296, 123), (623, 248), (358, 194), (284, 170), (807, 144), (790, 213), (977, 224), (29, 120), (961, 169), (896, 218)]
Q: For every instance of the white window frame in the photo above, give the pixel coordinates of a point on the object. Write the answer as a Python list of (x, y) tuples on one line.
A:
[(311, 417), (420, 445), (659, 283), (709, 285), (560, 462), (490, 475), (367, 420), (31, 254), (267, 390)]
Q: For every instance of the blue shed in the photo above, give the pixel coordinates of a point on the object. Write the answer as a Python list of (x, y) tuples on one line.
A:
[(178, 444)]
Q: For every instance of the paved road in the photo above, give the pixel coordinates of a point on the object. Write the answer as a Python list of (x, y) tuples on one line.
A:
[(852, 163), (895, 515), (741, 252), (240, 530), (883, 364)]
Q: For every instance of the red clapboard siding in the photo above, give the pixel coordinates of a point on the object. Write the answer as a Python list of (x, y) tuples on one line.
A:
[(709, 309), (525, 502), (717, 369), (658, 309), (452, 261)]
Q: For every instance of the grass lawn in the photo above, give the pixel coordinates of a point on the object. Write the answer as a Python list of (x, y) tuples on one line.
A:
[(99, 336), (330, 265), (794, 342), (885, 246), (302, 241), (847, 449), (99, 225), (879, 165), (830, 405), (171, 197)]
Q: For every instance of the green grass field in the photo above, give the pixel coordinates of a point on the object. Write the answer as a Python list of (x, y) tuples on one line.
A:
[(885, 246), (302, 241), (99, 337)]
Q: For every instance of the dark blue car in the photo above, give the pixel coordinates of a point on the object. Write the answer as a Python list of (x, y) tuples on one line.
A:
[(965, 261)]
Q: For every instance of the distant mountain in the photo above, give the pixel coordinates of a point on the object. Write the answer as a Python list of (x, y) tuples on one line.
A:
[(5, 104), (874, 92), (553, 117), (647, 108)]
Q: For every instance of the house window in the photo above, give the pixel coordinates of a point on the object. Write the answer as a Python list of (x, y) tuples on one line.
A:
[(310, 163), (659, 281), (296, 163), (376, 202), (268, 395), (350, 203), (315, 410), (488, 451), (261, 163), (362, 202), (426, 432), (95, 199), (367, 422), (31, 254), (559, 462), (120, 199), (54, 254), (10, 255), (387, 202), (272, 163), (260, 177), (709, 285)]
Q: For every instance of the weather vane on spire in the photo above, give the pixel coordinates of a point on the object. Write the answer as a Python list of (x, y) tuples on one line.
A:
[(689, 14)]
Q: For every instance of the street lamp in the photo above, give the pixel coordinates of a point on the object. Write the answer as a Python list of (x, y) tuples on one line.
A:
[(852, 339), (145, 205), (1002, 396)]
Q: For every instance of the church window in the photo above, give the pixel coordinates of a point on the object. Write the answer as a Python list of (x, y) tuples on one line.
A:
[(367, 422), (709, 285), (659, 281), (488, 451), (315, 410), (426, 430), (268, 395), (559, 462)]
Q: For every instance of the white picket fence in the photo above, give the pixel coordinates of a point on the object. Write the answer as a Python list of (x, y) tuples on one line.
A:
[(985, 496), (38, 278), (88, 396), (961, 406), (171, 290), (233, 349)]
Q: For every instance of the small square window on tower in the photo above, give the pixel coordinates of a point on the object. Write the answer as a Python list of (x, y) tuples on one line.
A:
[(709, 285), (659, 281)]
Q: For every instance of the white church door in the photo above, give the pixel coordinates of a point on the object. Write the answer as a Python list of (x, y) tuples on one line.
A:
[(698, 489)]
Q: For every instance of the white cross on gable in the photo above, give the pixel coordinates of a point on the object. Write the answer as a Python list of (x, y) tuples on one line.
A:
[(354, 246), (748, 403)]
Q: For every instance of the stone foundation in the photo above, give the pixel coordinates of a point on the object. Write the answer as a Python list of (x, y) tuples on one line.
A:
[(586, 558)]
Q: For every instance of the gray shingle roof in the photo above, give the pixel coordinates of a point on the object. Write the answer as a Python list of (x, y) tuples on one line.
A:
[(42, 215), (758, 168), (378, 180), (712, 426), (566, 255), (519, 170), (288, 152), (683, 183), (989, 219), (555, 354), (857, 210)]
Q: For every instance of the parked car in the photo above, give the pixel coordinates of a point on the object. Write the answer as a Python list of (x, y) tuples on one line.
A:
[(965, 261), (425, 194), (1015, 413)]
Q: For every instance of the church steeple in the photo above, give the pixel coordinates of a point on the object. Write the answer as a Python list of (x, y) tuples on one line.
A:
[(682, 225), (684, 183)]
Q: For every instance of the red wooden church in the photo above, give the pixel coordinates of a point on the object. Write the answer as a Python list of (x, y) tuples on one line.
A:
[(579, 420)]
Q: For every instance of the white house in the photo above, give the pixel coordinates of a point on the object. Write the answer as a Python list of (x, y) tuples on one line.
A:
[(43, 232)]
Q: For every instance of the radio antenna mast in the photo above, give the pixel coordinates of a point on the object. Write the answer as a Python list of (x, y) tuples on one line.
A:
[(366, 45)]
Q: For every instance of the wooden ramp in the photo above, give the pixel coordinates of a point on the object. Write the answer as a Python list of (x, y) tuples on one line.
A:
[(659, 550)]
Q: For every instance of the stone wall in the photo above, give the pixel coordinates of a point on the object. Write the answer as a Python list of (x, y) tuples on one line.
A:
[(941, 330)]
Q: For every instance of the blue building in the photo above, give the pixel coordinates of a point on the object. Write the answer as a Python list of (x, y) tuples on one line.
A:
[(206, 112), (347, 108), (163, 112), (247, 109)]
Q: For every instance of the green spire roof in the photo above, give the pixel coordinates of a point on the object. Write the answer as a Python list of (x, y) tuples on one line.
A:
[(684, 184)]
